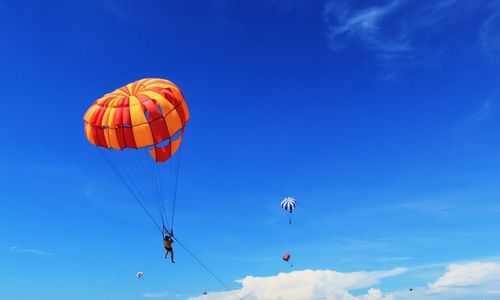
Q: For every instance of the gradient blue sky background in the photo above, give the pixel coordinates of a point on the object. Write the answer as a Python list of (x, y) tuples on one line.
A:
[(382, 120)]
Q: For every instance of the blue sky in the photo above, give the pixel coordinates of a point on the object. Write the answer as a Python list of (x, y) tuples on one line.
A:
[(381, 119)]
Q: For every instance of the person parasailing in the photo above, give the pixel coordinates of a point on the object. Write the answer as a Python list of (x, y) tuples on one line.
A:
[(167, 243)]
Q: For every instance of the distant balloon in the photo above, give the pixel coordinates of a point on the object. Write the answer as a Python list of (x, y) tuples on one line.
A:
[(139, 275)]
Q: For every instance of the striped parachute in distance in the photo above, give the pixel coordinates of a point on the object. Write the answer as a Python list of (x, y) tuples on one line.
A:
[(288, 204)]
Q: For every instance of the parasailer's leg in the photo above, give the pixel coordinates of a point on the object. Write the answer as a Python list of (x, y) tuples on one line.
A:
[(171, 251)]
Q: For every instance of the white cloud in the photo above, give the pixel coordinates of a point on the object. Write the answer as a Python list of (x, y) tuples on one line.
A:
[(29, 251), (471, 280), (485, 274), (309, 284), (460, 281)]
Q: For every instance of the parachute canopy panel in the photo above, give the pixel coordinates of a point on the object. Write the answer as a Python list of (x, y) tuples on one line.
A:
[(150, 112)]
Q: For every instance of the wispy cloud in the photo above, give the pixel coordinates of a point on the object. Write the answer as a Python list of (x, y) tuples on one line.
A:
[(485, 111), (287, 5), (364, 245), (441, 208), (402, 33), (394, 258), (365, 25), (435, 208), (29, 251), (119, 10), (160, 295), (490, 36)]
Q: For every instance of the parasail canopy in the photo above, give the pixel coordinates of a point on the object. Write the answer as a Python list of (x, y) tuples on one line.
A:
[(145, 113)]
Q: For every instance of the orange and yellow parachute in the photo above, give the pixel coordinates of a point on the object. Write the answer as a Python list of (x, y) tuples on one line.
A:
[(143, 113)]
